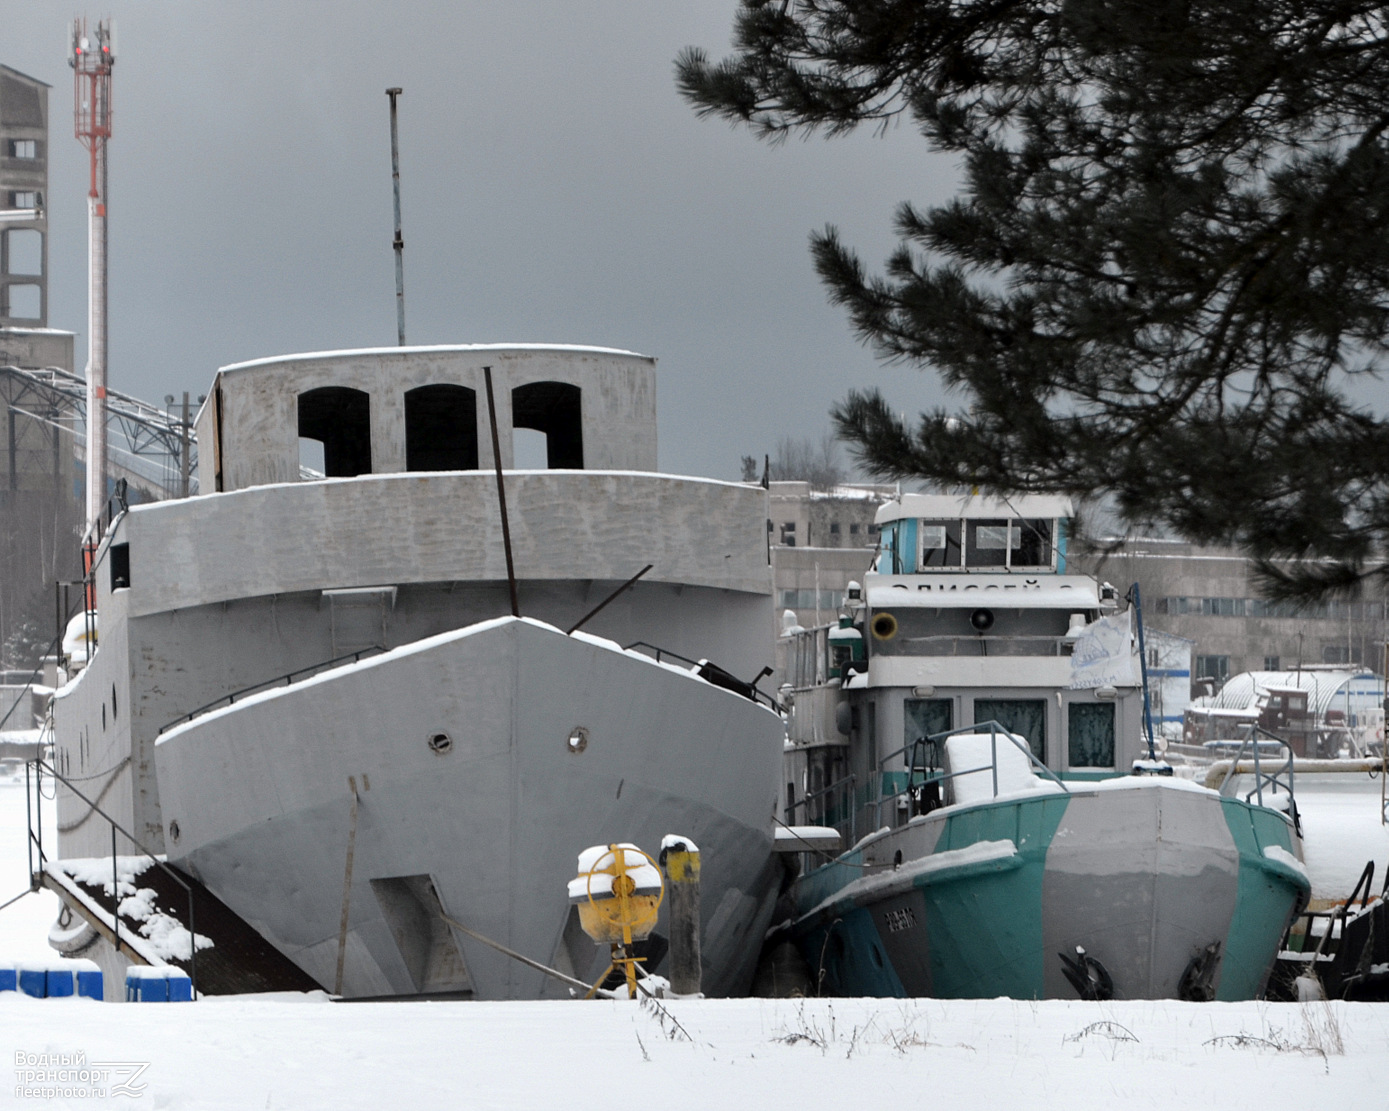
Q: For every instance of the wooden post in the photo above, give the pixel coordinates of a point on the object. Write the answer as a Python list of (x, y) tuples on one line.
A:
[(680, 860)]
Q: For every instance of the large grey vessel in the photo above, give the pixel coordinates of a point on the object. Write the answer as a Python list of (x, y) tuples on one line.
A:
[(475, 751)]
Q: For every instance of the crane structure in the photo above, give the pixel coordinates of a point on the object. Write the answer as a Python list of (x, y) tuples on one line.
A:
[(92, 58)]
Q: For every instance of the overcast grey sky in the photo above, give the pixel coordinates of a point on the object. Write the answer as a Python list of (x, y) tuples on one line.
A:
[(555, 189)]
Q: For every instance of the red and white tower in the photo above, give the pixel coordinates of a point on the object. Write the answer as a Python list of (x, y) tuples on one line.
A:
[(91, 58)]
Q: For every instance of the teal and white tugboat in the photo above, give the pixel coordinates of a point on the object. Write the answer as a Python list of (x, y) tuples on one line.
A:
[(975, 728)]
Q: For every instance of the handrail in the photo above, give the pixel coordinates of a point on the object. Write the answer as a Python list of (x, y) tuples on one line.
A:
[(287, 680), (40, 766), (1261, 777), (1057, 642), (758, 695), (849, 779), (932, 777)]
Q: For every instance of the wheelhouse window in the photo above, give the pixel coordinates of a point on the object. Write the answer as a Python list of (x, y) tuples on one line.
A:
[(554, 408), (1090, 735), (923, 718), (940, 544), (339, 417), (441, 428), (1027, 717)]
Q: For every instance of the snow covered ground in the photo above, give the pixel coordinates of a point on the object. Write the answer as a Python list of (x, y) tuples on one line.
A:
[(306, 1052)]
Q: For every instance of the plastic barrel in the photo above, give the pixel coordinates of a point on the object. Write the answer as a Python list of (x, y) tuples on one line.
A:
[(90, 984), (146, 985), (59, 982), (33, 981), (180, 987)]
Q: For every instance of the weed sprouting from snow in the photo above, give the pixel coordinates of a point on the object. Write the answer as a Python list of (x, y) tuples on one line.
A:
[(1322, 1029), (821, 1031), (1112, 1033), (807, 1029), (644, 1055), (1320, 1035), (669, 1024), (1275, 1041)]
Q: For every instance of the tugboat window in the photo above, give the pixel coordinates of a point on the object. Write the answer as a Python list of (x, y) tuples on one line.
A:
[(988, 543), (940, 544), (553, 408), (1027, 717), (1090, 740), (441, 428), (339, 417)]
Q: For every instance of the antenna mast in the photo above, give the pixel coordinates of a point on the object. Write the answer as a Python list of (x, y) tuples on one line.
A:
[(91, 58), (399, 242)]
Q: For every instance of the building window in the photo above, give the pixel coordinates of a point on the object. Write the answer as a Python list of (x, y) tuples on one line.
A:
[(853, 530), (24, 200), (810, 599), (1340, 654), (789, 526), (1090, 734), (1213, 667), (1271, 663), (834, 528), (24, 148)]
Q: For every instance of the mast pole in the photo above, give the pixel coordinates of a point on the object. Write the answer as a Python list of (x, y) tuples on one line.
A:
[(399, 243)]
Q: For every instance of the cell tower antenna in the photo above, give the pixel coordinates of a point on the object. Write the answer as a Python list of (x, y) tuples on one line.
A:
[(92, 58)]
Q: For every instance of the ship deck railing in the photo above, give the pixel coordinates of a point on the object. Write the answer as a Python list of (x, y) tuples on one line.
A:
[(1272, 774), (834, 805), (285, 680), (1343, 947), (924, 773), (979, 644), (38, 862), (906, 781)]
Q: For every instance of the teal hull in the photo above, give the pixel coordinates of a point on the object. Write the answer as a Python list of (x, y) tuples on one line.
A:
[(984, 900)]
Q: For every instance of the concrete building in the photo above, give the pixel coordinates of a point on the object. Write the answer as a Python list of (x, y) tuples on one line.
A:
[(23, 187), (1208, 595), (819, 541)]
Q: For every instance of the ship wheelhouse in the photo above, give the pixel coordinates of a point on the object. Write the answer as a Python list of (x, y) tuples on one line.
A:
[(969, 614)]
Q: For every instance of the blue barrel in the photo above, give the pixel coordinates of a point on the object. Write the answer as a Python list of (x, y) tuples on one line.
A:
[(146, 985), (180, 987), (89, 983), (8, 980), (33, 981), (59, 982)]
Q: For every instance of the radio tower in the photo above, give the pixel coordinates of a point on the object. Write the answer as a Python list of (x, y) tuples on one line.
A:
[(91, 59)]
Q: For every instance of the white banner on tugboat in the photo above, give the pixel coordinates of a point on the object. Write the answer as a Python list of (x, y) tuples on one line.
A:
[(1106, 654)]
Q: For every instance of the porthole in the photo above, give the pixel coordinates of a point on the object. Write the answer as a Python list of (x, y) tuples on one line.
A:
[(440, 744), (578, 739), (884, 626)]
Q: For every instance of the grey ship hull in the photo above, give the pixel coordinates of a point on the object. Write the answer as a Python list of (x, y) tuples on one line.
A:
[(258, 795)]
